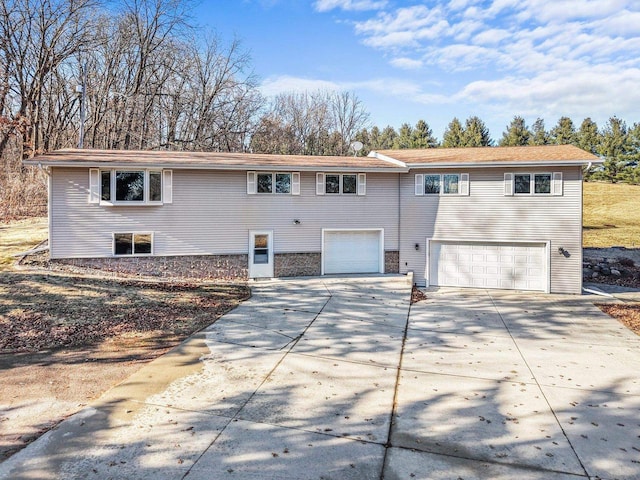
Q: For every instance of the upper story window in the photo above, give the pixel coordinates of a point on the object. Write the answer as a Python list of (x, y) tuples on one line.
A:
[(533, 183), (273, 182), (442, 184), (341, 184), (130, 187)]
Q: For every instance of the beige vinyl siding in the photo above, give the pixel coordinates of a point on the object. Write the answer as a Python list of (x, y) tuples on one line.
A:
[(488, 215), (212, 213)]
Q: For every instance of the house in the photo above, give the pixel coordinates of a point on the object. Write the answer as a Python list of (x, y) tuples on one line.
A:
[(495, 217)]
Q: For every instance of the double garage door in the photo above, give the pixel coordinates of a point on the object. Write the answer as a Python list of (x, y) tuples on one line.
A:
[(352, 251), (513, 266)]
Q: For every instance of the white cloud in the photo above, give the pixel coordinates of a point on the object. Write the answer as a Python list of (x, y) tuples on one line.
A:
[(327, 5), (406, 63), (544, 58), (286, 83)]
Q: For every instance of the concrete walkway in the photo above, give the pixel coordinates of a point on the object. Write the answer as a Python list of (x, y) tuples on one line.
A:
[(337, 378)]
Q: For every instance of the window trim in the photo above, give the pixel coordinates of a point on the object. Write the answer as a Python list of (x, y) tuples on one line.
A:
[(360, 184), (463, 185), (252, 182), (133, 244), (166, 179), (532, 184), (557, 184)]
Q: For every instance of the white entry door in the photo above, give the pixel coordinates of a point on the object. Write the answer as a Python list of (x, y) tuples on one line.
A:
[(261, 254)]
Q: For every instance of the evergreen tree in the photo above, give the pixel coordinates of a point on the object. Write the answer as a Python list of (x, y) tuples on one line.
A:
[(403, 140), (387, 137), (374, 138), (453, 134), (476, 133), (564, 133), (422, 136), (614, 147), (516, 134), (539, 135), (588, 137)]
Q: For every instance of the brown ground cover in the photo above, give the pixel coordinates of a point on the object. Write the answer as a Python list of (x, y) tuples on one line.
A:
[(64, 340), (629, 315)]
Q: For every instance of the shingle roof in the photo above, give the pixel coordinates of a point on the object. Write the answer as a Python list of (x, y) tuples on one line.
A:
[(382, 160), (529, 155), (209, 160)]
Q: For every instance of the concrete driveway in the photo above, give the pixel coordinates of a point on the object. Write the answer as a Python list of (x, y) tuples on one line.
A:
[(338, 378)]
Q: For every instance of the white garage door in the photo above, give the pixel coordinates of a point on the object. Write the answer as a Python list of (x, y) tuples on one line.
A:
[(519, 266), (352, 251)]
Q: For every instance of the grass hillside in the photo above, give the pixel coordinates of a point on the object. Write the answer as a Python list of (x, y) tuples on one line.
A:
[(611, 215)]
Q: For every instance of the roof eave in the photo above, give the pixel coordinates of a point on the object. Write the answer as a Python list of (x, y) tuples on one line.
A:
[(561, 163), (190, 166)]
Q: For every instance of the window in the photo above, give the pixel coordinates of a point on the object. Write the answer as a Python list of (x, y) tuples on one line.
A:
[(132, 243), (442, 184), (350, 184), (332, 184), (269, 182), (450, 183), (129, 186), (542, 183), (139, 187), (522, 183), (432, 184), (265, 183), (261, 249), (105, 193), (534, 183), (337, 183)]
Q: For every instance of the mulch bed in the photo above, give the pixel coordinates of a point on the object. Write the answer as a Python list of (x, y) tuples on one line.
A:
[(417, 295), (629, 315)]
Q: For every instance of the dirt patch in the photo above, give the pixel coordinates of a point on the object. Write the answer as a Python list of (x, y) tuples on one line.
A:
[(629, 315), (65, 340)]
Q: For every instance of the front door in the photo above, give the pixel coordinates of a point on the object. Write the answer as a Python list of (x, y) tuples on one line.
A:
[(261, 253)]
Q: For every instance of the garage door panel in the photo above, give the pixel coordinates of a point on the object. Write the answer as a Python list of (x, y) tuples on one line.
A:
[(352, 251), (494, 265)]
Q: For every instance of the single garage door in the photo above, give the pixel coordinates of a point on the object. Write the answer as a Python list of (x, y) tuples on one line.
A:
[(520, 266), (352, 251)]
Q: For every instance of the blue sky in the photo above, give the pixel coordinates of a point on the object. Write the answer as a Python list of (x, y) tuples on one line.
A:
[(433, 60)]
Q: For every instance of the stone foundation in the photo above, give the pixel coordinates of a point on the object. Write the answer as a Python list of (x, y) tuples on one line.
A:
[(199, 267), (297, 264), (203, 267), (392, 262)]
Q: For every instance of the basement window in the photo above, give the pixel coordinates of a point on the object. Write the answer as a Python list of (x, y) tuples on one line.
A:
[(132, 244)]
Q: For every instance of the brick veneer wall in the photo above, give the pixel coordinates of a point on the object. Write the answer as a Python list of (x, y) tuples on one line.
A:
[(392, 262), (205, 267), (201, 267), (297, 264)]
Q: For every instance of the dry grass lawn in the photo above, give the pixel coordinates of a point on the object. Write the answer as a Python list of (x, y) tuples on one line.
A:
[(611, 215), (20, 236)]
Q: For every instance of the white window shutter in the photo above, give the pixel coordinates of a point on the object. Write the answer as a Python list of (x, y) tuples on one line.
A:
[(295, 183), (508, 184), (419, 184), (319, 183), (167, 186), (557, 183), (94, 185), (251, 183), (362, 184), (464, 184)]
